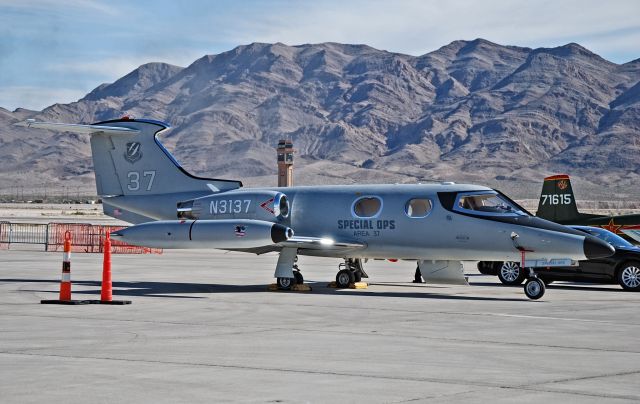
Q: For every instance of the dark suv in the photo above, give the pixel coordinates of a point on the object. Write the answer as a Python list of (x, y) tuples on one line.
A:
[(623, 267)]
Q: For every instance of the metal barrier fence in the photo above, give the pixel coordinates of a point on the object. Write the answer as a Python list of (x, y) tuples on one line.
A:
[(22, 233), (3, 235), (86, 238)]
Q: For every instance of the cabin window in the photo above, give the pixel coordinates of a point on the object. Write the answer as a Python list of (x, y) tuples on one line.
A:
[(368, 206), (418, 207)]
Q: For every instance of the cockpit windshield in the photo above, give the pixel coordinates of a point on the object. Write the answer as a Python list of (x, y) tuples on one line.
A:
[(487, 203)]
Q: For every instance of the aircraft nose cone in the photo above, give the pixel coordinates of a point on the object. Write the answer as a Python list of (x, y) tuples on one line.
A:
[(596, 248)]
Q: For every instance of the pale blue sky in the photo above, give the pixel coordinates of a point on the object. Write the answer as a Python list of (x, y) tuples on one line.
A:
[(58, 50)]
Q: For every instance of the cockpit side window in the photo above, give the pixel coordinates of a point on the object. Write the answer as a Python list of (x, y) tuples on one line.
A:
[(367, 206), (488, 203), (418, 207)]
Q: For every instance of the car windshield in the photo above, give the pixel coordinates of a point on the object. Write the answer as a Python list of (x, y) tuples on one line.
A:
[(607, 236), (487, 203)]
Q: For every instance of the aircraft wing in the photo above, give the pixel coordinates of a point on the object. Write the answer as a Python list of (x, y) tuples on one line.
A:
[(319, 243), (77, 128)]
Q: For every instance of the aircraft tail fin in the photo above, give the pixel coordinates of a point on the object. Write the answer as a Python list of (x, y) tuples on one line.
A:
[(129, 159), (557, 202)]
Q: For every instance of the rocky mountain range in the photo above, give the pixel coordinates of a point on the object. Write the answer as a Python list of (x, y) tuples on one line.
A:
[(471, 111)]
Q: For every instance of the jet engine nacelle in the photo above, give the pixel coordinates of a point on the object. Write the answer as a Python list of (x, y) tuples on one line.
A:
[(260, 205), (230, 234)]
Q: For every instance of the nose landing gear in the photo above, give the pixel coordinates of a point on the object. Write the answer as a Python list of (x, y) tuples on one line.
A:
[(534, 288)]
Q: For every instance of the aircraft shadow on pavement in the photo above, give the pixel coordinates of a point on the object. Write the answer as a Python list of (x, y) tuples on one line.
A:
[(559, 286), (575, 286), (177, 290)]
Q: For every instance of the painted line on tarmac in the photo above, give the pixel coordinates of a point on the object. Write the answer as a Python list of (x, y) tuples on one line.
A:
[(583, 320)]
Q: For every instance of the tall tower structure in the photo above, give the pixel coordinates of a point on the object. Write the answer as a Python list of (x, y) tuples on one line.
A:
[(285, 163)]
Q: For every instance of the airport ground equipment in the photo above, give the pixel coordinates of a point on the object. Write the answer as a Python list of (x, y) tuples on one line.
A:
[(437, 225)]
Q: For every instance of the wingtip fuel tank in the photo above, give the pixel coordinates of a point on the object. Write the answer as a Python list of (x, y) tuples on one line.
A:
[(205, 234)]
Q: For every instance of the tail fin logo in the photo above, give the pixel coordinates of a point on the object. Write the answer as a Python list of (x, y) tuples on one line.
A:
[(562, 184), (133, 152)]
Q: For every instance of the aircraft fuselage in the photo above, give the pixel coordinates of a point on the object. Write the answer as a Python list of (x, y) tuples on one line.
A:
[(443, 230)]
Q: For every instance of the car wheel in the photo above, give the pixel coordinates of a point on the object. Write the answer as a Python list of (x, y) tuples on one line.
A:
[(629, 276), (510, 273)]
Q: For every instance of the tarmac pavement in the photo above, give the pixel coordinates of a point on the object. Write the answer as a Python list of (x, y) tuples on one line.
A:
[(204, 328)]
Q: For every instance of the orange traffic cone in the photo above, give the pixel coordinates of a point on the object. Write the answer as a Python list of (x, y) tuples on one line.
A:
[(65, 282), (106, 294)]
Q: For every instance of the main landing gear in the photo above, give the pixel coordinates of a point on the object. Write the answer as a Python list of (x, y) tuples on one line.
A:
[(350, 271), (534, 287), (285, 283), (287, 272)]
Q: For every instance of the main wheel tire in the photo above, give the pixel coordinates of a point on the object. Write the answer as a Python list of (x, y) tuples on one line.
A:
[(510, 273), (285, 283), (629, 276), (297, 275), (534, 288), (344, 278), (357, 276)]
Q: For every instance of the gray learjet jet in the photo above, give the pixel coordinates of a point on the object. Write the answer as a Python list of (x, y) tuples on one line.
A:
[(437, 225)]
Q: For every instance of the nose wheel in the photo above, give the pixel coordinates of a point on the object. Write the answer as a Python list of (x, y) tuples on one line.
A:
[(534, 287)]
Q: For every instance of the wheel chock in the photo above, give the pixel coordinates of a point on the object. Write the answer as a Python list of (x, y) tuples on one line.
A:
[(355, 285), (295, 288)]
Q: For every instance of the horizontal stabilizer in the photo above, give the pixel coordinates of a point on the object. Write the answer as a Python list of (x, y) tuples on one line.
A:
[(78, 128)]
